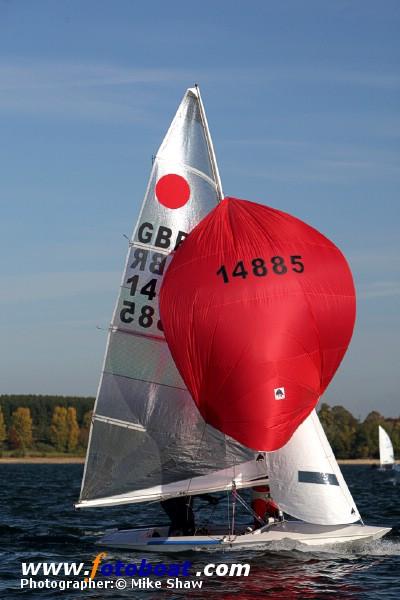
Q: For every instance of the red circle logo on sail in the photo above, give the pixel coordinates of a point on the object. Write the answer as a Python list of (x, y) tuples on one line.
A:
[(172, 191)]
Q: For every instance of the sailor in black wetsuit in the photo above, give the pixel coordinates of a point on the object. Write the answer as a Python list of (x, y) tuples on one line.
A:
[(181, 515)]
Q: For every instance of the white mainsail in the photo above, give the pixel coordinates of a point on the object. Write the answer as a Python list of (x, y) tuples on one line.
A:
[(147, 439), (306, 480), (386, 454)]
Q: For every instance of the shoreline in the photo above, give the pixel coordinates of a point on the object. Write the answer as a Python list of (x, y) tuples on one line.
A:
[(73, 460), (358, 461), (77, 460)]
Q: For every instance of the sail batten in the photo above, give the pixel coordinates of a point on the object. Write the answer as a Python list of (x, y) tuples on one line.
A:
[(157, 338), (174, 387), (147, 246), (194, 171), (119, 422)]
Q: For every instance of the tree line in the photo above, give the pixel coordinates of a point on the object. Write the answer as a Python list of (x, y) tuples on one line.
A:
[(60, 424), (352, 438), (44, 425)]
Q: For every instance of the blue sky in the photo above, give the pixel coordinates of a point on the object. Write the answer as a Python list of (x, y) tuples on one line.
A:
[(303, 104)]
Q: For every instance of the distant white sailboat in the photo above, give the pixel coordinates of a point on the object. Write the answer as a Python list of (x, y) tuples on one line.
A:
[(148, 441), (386, 455)]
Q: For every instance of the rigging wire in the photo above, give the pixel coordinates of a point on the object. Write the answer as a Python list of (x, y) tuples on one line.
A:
[(204, 524), (249, 509), (234, 494), (229, 511)]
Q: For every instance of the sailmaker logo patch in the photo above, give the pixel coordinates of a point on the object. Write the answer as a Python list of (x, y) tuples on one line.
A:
[(279, 393)]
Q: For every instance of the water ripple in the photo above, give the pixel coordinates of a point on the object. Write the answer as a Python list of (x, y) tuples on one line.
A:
[(38, 523)]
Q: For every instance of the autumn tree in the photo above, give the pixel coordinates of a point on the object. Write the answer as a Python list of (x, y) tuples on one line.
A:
[(327, 420), (20, 433), (343, 440), (73, 429), (59, 428), (341, 428), (84, 432), (392, 427), (367, 438), (3, 431)]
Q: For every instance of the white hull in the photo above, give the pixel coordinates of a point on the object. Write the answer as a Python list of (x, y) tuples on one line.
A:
[(392, 470), (155, 539)]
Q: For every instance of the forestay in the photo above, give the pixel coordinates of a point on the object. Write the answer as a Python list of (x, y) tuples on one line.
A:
[(386, 455), (147, 438), (306, 480)]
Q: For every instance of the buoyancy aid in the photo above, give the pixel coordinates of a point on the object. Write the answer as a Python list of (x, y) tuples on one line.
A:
[(262, 503)]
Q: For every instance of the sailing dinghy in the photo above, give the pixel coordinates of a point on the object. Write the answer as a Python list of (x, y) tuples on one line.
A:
[(148, 439), (386, 455)]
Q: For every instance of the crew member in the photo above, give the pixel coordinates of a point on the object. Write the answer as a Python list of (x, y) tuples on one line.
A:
[(181, 515), (263, 505)]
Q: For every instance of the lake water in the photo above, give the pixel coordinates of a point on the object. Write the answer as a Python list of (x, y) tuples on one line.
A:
[(38, 523)]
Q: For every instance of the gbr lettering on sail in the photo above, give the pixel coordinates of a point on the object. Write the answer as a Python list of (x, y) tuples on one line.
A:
[(138, 307)]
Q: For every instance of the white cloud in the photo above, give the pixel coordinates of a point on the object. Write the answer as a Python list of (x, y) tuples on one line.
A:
[(385, 259), (47, 75), (378, 289), (310, 160), (98, 90), (88, 90)]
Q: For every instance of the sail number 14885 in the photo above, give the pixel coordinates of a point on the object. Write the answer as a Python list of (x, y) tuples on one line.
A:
[(259, 268)]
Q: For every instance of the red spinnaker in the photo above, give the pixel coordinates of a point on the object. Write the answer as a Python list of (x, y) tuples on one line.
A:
[(258, 309)]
